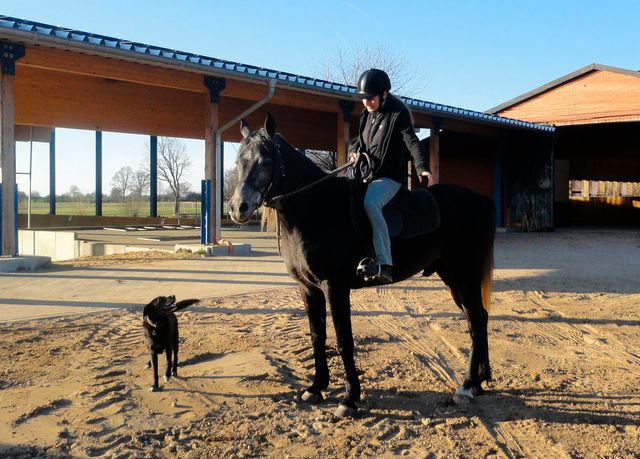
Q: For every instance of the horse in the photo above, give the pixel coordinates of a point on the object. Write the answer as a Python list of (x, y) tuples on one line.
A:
[(321, 250)]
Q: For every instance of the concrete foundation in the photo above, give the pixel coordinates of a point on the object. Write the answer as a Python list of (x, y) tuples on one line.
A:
[(23, 263)]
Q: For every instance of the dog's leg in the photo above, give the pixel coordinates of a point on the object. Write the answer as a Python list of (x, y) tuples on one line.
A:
[(167, 373), (174, 371), (154, 362), (176, 346)]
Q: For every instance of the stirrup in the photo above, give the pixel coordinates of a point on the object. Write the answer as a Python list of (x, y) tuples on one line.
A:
[(364, 266)]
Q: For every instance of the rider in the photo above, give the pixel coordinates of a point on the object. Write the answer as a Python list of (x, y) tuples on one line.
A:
[(386, 133)]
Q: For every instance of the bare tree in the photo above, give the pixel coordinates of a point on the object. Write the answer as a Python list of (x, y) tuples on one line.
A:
[(229, 183), (140, 181), (347, 66), (326, 160), (173, 162), (123, 180)]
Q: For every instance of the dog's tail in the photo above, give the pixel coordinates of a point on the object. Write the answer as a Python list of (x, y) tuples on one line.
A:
[(182, 304)]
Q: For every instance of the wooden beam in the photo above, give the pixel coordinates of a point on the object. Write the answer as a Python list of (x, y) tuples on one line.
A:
[(212, 123), (8, 164), (434, 155), (344, 121)]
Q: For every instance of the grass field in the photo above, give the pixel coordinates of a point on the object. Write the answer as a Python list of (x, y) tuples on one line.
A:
[(111, 209)]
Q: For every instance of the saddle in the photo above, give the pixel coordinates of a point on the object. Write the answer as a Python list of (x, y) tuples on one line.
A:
[(408, 214)]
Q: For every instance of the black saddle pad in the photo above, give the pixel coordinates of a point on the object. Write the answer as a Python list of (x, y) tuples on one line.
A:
[(411, 213), (408, 214)]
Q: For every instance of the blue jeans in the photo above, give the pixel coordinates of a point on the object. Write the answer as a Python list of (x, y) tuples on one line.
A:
[(379, 193)]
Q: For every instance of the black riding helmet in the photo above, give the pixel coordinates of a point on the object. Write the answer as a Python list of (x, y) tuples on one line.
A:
[(371, 83)]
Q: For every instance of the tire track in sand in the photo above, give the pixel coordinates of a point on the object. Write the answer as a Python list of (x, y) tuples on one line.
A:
[(508, 437)]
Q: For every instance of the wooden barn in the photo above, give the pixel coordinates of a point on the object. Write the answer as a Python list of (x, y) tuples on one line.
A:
[(596, 111)]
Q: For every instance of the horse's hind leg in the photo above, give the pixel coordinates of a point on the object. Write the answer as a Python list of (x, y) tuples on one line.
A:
[(468, 296), (479, 369), (315, 304)]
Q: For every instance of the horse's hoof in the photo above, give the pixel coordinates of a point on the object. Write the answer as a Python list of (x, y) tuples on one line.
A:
[(463, 396), (166, 378), (310, 397), (344, 411), (147, 366), (154, 389)]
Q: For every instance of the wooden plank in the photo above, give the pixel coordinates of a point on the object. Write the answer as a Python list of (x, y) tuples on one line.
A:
[(597, 97), (8, 164), (103, 67), (48, 98), (187, 79)]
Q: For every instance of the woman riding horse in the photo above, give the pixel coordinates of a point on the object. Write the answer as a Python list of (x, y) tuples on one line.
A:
[(321, 250), (386, 132)]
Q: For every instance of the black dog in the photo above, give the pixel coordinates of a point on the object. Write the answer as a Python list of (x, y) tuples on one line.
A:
[(160, 327)]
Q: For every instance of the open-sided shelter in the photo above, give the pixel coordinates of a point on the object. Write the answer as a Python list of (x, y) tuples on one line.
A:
[(58, 77)]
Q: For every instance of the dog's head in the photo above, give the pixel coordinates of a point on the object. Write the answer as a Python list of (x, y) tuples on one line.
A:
[(156, 320)]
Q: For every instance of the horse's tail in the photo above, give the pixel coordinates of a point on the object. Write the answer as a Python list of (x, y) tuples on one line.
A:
[(487, 267), (487, 279)]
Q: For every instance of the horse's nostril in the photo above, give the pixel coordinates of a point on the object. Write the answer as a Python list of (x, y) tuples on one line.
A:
[(243, 207)]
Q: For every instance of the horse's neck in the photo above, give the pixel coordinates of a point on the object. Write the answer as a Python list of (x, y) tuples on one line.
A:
[(297, 169)]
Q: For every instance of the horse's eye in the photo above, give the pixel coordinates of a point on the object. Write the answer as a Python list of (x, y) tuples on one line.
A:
[(266, 162)]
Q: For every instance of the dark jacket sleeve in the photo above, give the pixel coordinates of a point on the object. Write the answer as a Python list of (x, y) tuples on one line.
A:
[(354, 145), (415, 147)]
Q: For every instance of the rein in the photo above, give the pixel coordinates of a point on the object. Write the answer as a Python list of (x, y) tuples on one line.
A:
[(333, 173)]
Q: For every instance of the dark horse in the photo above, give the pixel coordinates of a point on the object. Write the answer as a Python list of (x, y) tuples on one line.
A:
[(321, 251)]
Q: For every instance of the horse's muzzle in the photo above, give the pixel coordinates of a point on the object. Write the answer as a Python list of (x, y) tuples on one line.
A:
[(240, 214)]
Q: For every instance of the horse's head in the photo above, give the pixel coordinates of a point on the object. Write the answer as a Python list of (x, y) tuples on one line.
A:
[(256, 164)]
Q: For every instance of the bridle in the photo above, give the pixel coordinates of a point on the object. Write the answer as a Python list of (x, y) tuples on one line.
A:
[(276, 155)]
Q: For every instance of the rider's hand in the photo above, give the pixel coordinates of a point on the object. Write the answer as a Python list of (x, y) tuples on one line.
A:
[(353, 156), (425, 178)]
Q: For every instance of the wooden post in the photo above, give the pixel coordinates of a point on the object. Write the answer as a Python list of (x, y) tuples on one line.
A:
[(434, 150), (498, 197), (344, 119), (213, 153), (8, 56)]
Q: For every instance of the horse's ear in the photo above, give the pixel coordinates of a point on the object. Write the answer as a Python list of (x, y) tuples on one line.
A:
[(270, 125), (244, 128)]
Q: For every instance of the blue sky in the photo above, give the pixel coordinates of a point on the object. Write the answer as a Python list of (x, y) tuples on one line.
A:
[(471, 54)]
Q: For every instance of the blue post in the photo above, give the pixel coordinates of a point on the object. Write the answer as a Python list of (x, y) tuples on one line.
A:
[(52, 173), (98, 173), (205, 198), (153, 176), (15, 209)]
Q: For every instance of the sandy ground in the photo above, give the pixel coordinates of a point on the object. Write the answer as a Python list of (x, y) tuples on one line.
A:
[(564, 342)]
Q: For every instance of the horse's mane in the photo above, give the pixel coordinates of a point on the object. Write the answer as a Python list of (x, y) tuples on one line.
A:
[(269, 220)]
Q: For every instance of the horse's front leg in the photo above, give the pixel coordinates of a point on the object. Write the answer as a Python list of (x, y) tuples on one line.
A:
[(315, 304), (339, 302)]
